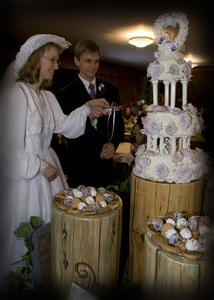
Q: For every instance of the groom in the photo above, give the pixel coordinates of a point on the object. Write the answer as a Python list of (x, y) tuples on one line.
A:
[(90, 157)]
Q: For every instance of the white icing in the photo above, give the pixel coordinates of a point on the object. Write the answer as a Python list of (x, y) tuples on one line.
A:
[(167, 157), (89, 200), (77, 193), (103, 204), (170, 232), (93, 192), (81, 206), (192, 245), (189, 168), (181, 222), (186, 233), (164, 118), (170, 221)]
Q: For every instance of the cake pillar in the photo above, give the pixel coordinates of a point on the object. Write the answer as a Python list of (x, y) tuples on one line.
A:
[(173, 144), (180, 143), (161, 144), (148, 142), (184, 143), (155, 142), (173, 93), (166, 93), (184, 92), (155, 91)]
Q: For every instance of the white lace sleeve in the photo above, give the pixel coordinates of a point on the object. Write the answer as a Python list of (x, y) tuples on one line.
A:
[(71, 126)]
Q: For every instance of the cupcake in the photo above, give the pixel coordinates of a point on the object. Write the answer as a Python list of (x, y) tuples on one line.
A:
[(95, 206), (170, 221), (175, 239), (176, 215), (165, 230), (93, 192), (157, 224), (77, 193), (103, 203), (181, 223), (192, 223), (186, 233), (68, 200), (192, 245), (82, 206), (89, 200)]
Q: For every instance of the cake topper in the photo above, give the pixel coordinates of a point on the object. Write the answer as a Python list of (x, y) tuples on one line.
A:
[(171, 19)]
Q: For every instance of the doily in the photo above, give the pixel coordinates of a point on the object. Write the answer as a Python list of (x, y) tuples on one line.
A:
[(171, 19)]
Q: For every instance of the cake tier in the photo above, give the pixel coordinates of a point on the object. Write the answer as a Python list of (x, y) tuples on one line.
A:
[(164, 121), (180, 167), (169, 65)]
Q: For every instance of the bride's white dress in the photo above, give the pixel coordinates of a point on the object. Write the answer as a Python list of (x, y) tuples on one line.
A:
[(31, 121)]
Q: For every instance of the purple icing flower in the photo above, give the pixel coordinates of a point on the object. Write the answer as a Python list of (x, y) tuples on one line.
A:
[(140, 150), (155, 107), (174, 47), (203, 155), (154, 70), (171, 128), (177, 156), (199, 126), (187, 70), (162, 170), (176, 110), (142, 161), (162, 38), (173, 69), (190, 107), (184, 174), (199, 172), (191, 154), (184, 120), (150, 152), (180, 61), (151, 126)]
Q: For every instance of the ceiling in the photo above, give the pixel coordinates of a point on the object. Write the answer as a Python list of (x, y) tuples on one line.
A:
[(109, 23)]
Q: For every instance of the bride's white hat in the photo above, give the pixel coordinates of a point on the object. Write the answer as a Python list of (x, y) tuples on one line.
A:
[(34, 43)]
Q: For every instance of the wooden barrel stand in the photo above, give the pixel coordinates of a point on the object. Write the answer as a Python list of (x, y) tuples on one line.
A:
[(148, 200), (168, 274), (85, 249)]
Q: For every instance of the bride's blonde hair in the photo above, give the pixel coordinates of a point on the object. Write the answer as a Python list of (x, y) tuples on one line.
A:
[(30, 73)]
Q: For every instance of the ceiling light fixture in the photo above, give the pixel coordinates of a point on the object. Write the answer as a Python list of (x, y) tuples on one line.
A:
[(140, 41)]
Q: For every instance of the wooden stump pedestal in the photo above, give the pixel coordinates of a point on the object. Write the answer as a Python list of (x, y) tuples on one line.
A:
[(168, 274), (148, 200), (85, 249)]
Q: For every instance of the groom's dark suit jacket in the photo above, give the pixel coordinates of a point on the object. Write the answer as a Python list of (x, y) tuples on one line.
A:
[(84, 165)]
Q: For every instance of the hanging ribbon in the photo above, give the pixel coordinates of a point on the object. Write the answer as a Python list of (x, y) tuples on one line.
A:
[(111, 112)]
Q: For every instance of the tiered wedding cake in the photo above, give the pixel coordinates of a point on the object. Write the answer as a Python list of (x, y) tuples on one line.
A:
[(167, 156)]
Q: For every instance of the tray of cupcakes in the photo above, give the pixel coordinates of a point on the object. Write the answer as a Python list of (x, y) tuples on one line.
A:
[(184, 234), (87, 200)]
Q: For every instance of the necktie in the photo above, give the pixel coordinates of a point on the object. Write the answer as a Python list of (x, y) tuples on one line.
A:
[(92, 92)]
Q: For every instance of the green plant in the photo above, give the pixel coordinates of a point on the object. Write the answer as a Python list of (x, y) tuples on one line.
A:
[(20, 280), (123, 187)]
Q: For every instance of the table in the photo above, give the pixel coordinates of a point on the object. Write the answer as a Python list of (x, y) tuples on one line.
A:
[(124, 154)]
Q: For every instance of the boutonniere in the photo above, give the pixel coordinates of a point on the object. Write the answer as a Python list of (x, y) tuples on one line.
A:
[(101, 88)]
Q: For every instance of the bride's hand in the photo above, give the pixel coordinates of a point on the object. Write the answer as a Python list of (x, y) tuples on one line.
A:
[(50, 172)]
